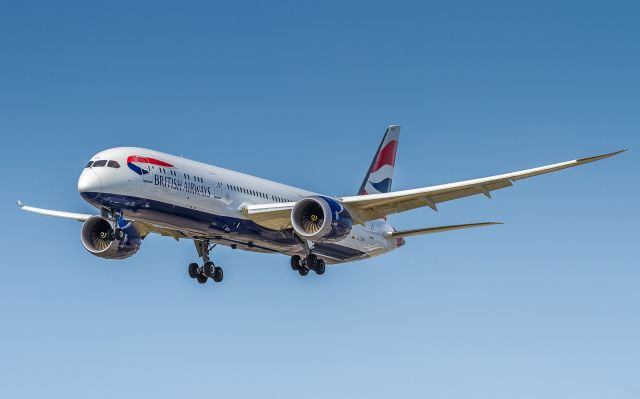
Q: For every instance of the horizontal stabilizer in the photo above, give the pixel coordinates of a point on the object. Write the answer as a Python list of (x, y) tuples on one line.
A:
[(440, 229)]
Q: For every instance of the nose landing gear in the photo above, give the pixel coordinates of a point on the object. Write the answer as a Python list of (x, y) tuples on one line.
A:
[(208, 269), (311, 262)]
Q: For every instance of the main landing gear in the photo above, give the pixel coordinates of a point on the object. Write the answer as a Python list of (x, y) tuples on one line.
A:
[(311, 262), (208, 269)]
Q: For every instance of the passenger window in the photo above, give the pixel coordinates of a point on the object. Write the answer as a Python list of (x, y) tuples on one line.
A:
[(113, 164), (98, 164), (89, 164)]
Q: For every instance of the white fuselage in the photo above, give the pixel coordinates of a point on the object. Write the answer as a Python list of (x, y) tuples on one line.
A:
[(201, 200)]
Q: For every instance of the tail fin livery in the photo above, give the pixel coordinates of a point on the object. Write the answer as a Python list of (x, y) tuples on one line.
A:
[(380, 174)]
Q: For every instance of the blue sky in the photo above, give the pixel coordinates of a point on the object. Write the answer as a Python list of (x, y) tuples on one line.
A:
[(546, 305)]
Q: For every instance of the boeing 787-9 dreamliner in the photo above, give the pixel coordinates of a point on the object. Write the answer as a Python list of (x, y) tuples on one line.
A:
[(140, 191)]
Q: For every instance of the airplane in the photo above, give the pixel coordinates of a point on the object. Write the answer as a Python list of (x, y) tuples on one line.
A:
[(141, 191)]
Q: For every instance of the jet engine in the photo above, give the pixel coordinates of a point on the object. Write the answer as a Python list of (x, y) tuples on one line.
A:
[(319, 218), (101, 239)]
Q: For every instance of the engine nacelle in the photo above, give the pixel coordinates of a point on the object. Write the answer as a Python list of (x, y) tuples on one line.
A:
[(319, 218), (98, 238)]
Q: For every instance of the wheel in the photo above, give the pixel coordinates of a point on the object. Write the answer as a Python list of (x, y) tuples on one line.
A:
[(118, 234), (209, 269), (217, 274), (311, 261), (193, 270), (319, 267), (303, 271), (295, 262), (202, 278)]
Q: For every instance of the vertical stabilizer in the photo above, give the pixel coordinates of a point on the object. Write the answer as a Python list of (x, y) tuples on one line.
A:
[(380, 174)]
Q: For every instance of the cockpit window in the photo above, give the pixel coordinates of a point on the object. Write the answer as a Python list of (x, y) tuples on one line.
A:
[(89, 164), (100, 163), (113, 164)]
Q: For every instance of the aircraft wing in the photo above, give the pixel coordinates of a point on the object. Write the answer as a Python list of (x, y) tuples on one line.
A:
[(364, 208), (376, 206), (80, 217), (275, 216), (143, 228)]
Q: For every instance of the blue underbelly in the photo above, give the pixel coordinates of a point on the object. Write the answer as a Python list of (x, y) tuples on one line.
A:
[(225, 228)]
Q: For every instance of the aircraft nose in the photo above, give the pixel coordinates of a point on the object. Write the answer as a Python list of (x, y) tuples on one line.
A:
[(89, 182)]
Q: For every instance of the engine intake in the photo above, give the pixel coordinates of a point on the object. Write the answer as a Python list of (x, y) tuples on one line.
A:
[(318, 218), (97, 236)]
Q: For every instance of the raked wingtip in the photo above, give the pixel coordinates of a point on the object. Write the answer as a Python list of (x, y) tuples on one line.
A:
[(599, 157)]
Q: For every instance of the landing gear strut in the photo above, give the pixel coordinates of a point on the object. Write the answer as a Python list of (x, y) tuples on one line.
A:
[(311, 262), (208, 269), (115, 216)]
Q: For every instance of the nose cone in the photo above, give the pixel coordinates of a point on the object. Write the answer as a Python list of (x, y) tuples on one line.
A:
[(89, 183)]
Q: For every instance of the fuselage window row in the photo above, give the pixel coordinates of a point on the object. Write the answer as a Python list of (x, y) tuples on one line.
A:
[(254, 193)]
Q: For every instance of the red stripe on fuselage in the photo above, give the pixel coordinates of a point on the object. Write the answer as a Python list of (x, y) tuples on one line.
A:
[(386, 156), (153, 161)]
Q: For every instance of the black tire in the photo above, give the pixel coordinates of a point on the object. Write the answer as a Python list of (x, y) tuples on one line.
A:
[(218, 274), (312, 259), (201, 278), (295, 262), (320, 267), (303, 271), (209, 269), (193, 270)]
